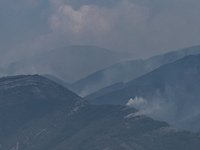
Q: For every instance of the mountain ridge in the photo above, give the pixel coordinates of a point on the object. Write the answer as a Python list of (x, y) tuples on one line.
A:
[(127, 70), (78, 55), (170, 92), (75, 124)]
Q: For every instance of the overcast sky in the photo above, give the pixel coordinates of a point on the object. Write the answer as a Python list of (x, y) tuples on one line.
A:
[(142, 27)]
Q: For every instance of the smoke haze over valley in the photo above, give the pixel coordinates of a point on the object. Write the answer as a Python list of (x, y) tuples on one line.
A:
[(99, 75)]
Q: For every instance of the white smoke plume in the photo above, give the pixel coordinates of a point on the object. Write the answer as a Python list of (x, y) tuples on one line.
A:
[(155, 108)]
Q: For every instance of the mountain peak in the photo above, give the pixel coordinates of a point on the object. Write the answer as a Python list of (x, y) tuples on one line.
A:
[(25, 97)]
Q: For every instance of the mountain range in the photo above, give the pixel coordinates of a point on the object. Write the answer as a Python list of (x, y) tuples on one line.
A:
[(170, 93), (39, 114), (126, 71), (69, 63)]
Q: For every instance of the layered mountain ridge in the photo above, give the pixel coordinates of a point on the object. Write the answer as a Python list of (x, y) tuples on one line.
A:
[(170, 92), (127, 71), (53, 118), (67, 63)]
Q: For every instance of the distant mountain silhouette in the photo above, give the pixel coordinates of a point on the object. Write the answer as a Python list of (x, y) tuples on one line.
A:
[(127, 70), (66, 63)]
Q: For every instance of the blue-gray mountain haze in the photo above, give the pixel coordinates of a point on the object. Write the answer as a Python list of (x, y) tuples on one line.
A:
[(170, 93), (110, 77)]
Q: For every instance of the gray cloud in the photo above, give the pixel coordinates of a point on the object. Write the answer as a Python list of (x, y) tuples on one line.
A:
[(96, 25), (142, 27)]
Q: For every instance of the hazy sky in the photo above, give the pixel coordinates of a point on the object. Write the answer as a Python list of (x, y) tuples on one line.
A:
[(142, 27)]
